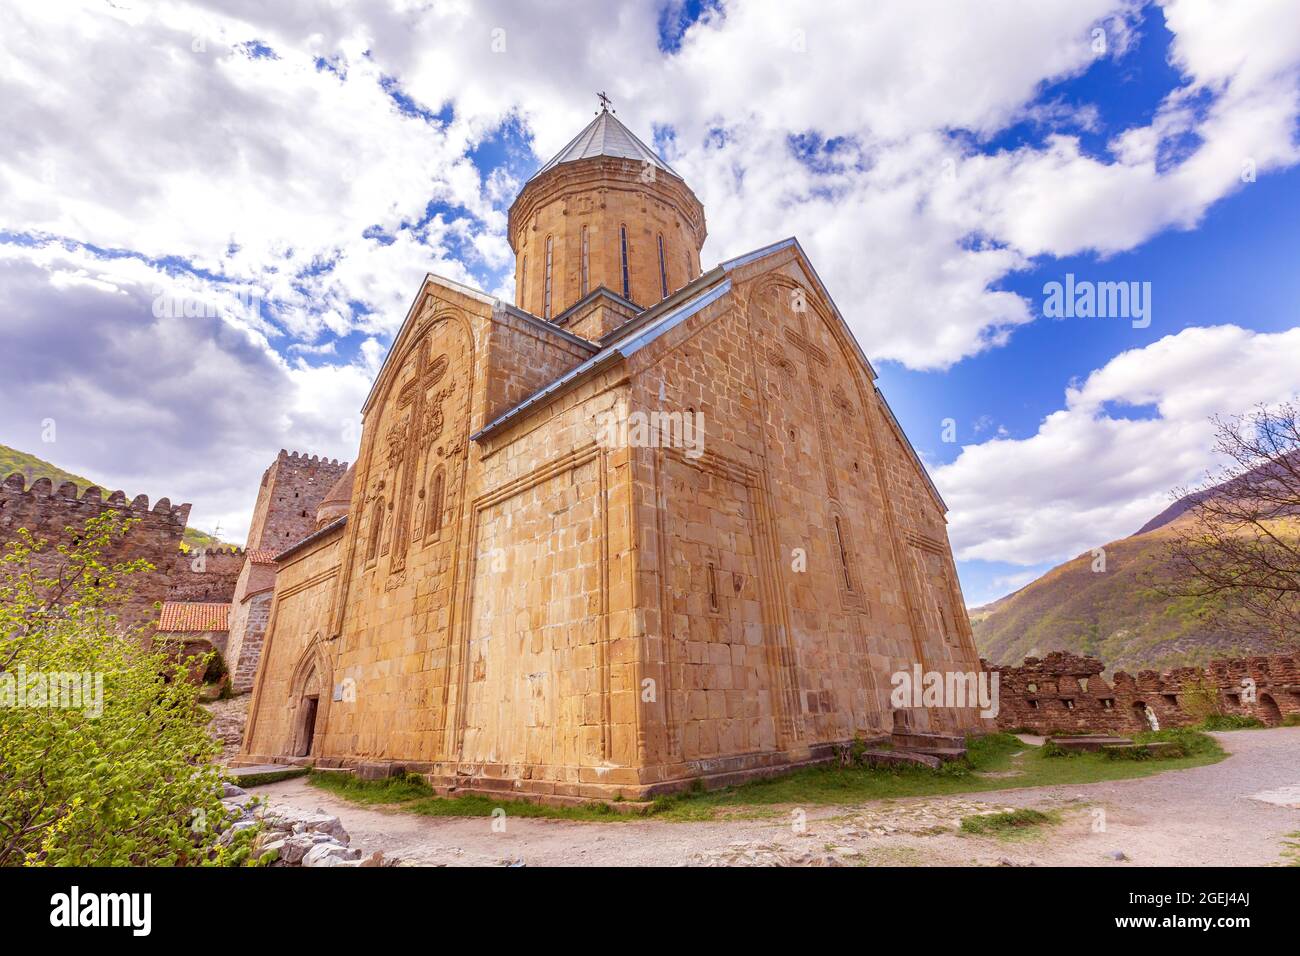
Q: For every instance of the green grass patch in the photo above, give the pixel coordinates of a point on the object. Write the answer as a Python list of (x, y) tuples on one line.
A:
[(824, 785), (1291, 720), (413, 795), (1011, 821), (270, 776), (1291, 849), (1230, 722), (400, 789)]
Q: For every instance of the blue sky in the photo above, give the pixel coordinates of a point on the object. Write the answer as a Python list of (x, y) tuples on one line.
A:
[(941, 166)]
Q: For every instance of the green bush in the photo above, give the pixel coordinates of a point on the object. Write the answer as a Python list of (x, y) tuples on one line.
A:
[(1053, 749), (1229, 722), (115, 771)]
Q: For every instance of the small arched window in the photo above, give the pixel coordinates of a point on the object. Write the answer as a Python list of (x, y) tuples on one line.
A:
[(844, 554), (622, 245), (585, 261), (546, 302), (434, 522), (663, 268), (376, 528), (523, 282)]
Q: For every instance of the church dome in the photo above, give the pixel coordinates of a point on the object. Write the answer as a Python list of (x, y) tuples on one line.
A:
[(606, 211), (337, 500)]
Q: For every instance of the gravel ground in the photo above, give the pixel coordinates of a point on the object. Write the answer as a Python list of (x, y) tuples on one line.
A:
[(1198, 817)]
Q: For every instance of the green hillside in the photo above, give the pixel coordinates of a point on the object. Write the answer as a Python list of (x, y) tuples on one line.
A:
[(1113, 614), (33, 468)]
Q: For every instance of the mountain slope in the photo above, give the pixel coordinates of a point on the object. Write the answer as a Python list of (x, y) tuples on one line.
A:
[(1112, 614), (32, 468)]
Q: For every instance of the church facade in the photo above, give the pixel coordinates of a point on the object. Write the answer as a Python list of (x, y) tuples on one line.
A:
[(645, 525)]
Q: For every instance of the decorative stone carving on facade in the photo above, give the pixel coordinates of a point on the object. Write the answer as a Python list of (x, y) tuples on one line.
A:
[(427, 416)]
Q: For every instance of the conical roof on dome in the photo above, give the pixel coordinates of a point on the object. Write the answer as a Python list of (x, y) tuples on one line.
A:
[(606, 136)]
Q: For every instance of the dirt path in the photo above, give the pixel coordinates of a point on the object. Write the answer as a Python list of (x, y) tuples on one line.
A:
[(1203, 816)]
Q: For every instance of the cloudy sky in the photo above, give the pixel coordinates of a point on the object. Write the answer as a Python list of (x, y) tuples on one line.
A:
[(213, 216)]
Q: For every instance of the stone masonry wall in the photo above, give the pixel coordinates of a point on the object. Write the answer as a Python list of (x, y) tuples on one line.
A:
[(1066, 693), (207, 576), (292, 488), (48, 513)]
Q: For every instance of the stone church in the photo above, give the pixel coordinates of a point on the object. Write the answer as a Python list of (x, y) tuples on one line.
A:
[(505, 594)]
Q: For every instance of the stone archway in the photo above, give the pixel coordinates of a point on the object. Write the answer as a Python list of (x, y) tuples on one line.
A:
[(1269, 712), (309, 696), (308, 712)]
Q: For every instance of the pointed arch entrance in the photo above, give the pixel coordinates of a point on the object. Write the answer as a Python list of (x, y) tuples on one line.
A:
[(309, 696)]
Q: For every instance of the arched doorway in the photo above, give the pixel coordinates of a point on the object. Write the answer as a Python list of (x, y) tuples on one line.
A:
[(308, 710), (1269, 711), (1146, 715)]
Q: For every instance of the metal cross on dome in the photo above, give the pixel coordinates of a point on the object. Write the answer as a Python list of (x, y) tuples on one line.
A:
[(604, 102)]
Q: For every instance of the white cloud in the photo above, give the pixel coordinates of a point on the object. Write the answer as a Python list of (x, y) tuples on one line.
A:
[(192, 408), (150, 128), (1100, 467)]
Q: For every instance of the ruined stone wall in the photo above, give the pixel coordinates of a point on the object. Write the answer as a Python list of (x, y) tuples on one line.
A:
[(49, 513), (1066, 693), (207, 576), (292, 488)]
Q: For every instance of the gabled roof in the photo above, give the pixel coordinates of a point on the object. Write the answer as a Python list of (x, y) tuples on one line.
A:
[(186, 616), (671, 312), (606, 136), (471, 293)]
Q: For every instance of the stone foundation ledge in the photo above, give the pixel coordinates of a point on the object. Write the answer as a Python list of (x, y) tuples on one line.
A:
[(496, 780)]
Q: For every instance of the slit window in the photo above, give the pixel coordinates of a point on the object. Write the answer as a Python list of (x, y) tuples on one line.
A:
[(663, 268), (585, 261), (622, 248), (549, 252), (713, 587)]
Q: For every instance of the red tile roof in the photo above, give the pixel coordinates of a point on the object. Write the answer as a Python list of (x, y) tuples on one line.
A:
[(183, 616), (262, 555)]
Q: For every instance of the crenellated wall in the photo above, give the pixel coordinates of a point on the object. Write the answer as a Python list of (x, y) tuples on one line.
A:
[(1064, 692), (49, 513)]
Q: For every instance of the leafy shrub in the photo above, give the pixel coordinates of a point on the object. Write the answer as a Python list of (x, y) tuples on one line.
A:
[(118, 772)]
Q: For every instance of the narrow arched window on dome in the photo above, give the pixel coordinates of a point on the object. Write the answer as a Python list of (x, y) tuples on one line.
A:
[(585, 261), (546, 308), (622, 243), (523, 282), (663, 268)]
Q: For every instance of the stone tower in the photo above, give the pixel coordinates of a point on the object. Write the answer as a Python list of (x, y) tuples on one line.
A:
[(292, 488), (288, 509), (607, 213)]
